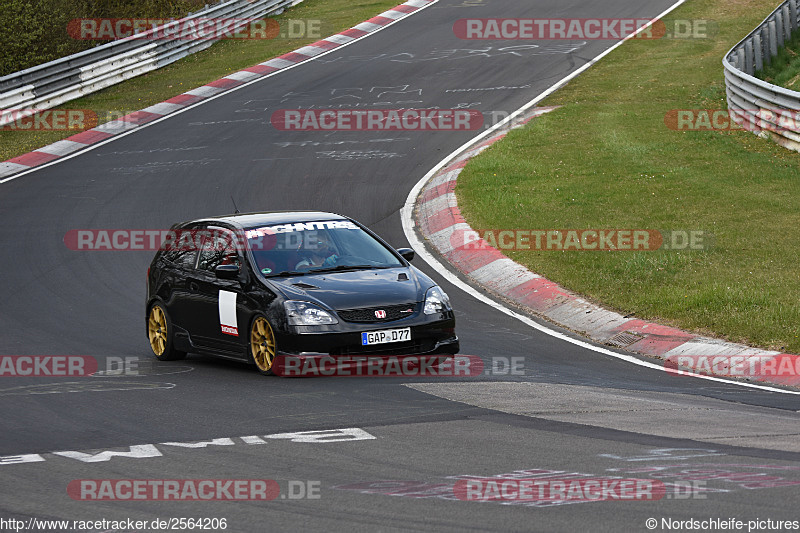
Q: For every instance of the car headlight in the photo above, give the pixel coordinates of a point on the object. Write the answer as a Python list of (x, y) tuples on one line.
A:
[(307, 314), (436, 301)]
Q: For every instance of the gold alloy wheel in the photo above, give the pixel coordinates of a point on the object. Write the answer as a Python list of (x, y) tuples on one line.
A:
[(157, 330), (262, 344)]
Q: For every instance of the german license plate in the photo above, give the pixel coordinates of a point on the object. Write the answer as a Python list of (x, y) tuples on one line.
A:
[(384, 336)]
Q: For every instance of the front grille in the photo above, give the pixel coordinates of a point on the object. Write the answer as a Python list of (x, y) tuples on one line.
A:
[(367, 314)]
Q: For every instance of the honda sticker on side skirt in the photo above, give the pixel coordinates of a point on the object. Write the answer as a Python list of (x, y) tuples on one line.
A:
[(227, 313)]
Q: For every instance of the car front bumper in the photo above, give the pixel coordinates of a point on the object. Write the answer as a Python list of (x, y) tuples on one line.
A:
[(429, 335)]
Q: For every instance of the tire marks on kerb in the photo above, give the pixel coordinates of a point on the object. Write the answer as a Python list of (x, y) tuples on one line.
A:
[(148, 451)]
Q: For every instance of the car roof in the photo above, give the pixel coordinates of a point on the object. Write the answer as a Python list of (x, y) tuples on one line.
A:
[(256, 220)]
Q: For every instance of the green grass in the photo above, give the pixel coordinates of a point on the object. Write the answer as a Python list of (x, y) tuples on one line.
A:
[(784, 68), (606, 159), (198, 69)]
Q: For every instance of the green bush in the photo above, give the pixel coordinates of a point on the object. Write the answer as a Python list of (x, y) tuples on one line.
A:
[(35, 31)]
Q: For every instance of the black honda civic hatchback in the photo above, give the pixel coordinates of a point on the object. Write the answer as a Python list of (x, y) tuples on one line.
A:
[(257, 286)]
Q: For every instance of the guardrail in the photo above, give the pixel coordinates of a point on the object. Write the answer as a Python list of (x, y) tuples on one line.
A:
[(50, 84), (763, 108)]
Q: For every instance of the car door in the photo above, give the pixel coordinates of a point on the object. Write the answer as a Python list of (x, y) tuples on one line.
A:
[(179, 262), (221, 301)]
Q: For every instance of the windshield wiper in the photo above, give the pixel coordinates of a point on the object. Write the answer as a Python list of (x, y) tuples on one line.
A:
[(346, 267), (287, 273)]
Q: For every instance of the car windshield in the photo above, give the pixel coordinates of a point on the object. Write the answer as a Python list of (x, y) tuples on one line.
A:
[(320, 246)]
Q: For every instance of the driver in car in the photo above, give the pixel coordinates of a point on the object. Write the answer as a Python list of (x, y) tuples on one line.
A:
[(317, 252)]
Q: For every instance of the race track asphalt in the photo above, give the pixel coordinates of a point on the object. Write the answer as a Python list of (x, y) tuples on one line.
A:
[(571, 411)]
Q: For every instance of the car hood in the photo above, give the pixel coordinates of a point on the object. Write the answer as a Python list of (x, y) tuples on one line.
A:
[(356, 289)]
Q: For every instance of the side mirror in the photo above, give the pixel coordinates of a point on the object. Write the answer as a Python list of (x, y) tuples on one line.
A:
[(227, 271), (406, 253)]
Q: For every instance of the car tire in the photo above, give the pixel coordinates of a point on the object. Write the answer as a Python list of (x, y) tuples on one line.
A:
[(262, 347), (160, 334)]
